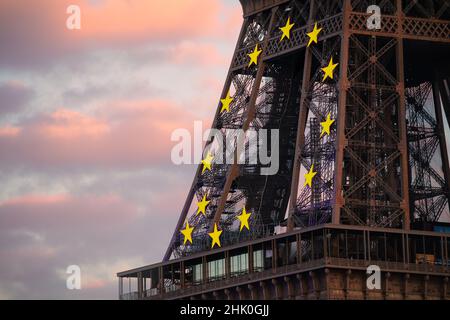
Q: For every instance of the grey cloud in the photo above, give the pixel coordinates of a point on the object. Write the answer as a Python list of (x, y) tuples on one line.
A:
[(14, 96)]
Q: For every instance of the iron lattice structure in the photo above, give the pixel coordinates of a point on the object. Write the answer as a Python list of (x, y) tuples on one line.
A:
[(385, 163)]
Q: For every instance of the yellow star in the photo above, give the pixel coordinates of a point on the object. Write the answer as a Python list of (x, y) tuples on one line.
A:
[(309, 177), (244, 219), (226, 103), (329, 70), (287, 29), (215, 236), (202, 205), (254, 56), (187, 232), (326, 125), (313, 35), (207, 162)]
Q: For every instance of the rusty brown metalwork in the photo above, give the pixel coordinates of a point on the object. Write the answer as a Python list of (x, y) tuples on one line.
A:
[(385, 163)]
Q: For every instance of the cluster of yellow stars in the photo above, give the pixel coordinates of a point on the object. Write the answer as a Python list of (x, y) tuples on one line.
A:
[(226, 104), (215, 235), (328, 71), (286, 34)]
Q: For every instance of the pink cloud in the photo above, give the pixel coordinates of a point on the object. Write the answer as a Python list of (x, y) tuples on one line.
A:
[(65, 212), (67, 124), (127, 133), (203, 54), (37, 31), (94, 283), (160, 18), (32, 199), (9, 131)]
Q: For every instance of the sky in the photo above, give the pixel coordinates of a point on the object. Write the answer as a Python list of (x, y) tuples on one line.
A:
[(86, 118), (85, 123)]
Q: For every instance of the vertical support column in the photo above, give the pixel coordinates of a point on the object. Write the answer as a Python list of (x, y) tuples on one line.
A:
[(265, 290), (299, 248), (426, 280), (276, 288), (274, 254), (302, 288), (204, 269), (161, 281), (403, 145), (407, 248), (341, 141), (445, 288), (182, 275), (241, 293), (386, 286), (405, 288), (144, 283), (347, 283), (120, 288), (139, 285), (253, 288), (365, 246), (301, 126), (227, 265), (315, 285), (250, 259), (290, 288), (441, 135), (228, 294)]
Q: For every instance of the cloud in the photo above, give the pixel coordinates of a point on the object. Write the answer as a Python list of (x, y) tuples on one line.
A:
[(197, 53), (14, 95), (37, 34), (64, 213), (42, 234), (9, 132), (123, 134), (85, 135)]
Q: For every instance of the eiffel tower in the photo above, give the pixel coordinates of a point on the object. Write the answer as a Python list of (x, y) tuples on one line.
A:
[(381, 192)]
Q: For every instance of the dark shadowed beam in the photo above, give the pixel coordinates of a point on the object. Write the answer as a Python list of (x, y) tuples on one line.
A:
[(302, 118), (403, 131), (341, 140)]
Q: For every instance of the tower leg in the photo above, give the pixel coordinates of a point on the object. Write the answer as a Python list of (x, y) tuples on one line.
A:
[(403, 145), (302, 118)]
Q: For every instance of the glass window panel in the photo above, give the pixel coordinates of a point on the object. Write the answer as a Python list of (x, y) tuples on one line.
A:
[(258, 261)]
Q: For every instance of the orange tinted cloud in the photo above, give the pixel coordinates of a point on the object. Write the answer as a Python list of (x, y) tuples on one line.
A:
[(68, 124), (43, 212), (36, 31), (158, 18), (9, 131), (203, 54), (127, 133)]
